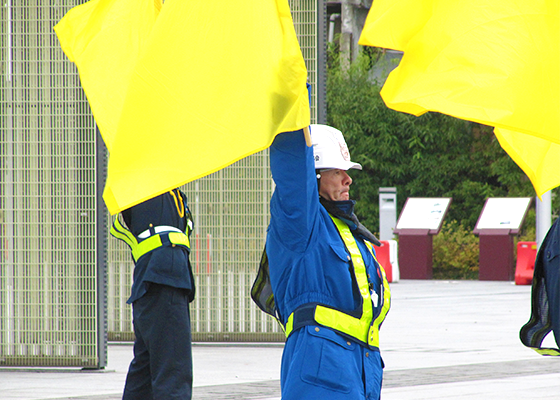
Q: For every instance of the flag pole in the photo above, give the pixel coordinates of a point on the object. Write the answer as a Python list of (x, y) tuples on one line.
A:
[(307, 136)]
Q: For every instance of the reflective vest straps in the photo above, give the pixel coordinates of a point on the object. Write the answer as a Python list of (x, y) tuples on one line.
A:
[(139, 249), (366, 328)]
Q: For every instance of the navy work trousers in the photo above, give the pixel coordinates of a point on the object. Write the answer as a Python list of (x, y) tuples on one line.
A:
[(162, 364)]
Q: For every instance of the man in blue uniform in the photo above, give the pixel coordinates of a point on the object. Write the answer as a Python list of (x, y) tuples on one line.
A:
[(158, 235), (329, 291)]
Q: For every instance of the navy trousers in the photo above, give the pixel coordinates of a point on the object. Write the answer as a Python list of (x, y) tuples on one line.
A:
[(162, 364)]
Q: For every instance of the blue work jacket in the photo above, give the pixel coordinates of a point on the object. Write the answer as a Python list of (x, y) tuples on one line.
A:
[(308, 261)]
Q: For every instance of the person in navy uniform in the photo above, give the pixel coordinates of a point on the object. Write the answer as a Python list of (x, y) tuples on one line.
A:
[(545, 296), (157, 232)]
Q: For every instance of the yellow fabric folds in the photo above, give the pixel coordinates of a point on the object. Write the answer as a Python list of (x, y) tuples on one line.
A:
[(538, 158), (104, 38), (497, 63), (213, 82)]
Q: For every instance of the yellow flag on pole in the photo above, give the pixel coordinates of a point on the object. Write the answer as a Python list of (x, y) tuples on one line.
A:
[(214, 82), (497, 63)]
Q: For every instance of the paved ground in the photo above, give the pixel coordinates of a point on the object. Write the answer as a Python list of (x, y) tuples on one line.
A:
[(441, 340)]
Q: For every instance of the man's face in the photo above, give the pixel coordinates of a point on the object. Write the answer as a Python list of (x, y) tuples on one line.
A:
[(334, 185)]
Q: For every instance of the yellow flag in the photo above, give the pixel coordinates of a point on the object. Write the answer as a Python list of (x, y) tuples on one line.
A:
[(214, 82), (104, 38), (497, 63), (538, 158)]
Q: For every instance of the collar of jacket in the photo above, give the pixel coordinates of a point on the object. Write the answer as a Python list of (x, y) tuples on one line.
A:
[(344, 210)]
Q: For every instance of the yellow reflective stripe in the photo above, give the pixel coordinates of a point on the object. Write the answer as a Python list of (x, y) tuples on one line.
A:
[(344, 323), (289, 325), (148, 244), (358, 328), (120, 232), (179, 238), (145, 246), (547, 352), (153, 242)]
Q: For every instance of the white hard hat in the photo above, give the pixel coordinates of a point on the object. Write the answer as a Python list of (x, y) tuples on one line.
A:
[(329, 148)]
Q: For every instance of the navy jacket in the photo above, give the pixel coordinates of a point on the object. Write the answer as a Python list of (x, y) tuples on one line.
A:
[(545, 295), (166, 265)]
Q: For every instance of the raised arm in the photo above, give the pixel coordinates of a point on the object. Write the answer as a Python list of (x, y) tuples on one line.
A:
[(295, 202)]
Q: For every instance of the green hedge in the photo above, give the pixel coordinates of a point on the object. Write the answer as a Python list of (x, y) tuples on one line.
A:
[(455, 253)]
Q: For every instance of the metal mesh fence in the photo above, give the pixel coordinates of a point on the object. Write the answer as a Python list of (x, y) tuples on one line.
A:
[(48, 306), (48, 246), (305, 16)]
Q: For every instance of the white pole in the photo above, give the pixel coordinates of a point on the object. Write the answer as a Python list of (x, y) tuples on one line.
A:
[(544, 217)]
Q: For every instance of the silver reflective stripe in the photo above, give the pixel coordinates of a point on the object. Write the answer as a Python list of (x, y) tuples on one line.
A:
[(158, 229)]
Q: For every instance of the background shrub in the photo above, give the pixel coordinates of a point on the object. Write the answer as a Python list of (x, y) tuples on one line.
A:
[(455, 253)]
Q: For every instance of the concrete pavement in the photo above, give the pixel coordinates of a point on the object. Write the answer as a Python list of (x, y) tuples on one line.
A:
[(441, 340), (460, 340)]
